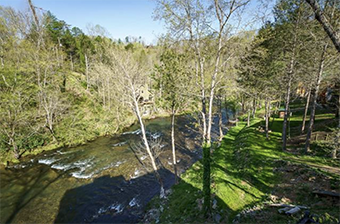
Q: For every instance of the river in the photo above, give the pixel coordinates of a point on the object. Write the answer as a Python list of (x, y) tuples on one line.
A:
[(102, 181)]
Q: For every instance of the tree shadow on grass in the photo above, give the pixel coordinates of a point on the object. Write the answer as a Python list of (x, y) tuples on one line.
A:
[(185, 204), (244, 166)]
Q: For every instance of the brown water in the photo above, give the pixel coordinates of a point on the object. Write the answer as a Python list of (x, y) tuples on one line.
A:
[(101, 181)]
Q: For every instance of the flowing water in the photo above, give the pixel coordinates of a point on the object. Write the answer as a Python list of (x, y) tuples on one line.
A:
[(102, 181)]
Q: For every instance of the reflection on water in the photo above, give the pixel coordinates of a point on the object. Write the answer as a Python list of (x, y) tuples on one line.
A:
[(101, 181)]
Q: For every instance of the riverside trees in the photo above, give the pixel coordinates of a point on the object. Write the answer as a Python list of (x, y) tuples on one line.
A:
[(43, 101), (206, 28), (172, 76), (289, 54), (127, 71)]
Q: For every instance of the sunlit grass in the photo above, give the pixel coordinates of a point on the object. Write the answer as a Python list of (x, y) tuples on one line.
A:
[(241, 174), (241, 170)]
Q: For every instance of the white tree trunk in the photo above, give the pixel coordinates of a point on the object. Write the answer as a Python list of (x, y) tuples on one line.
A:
[(306, 111), (145, 140), (173, 146)]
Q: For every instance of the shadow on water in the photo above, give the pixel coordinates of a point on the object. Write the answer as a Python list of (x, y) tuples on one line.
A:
[(60, 181), (111, 199), (118, 200)]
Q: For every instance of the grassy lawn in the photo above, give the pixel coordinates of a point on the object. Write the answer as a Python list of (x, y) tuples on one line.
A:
[(245, 173)]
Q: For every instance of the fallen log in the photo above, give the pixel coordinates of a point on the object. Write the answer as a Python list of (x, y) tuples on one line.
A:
[(327, 193), (233, 121), (288, 205)]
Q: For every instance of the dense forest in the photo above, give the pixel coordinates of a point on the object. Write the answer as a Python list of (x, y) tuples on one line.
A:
[(61, 86), (55, 87)]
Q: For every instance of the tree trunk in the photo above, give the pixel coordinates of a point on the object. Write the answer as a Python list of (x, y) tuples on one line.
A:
[(337, 113), (50, 128), (210, 108), (226, 110), (248, 119), (254, 108), (266, 116), (315, 96), (333, 35), (16, 152), (204, 118), (87, 72), (212, 91), (207, 144), (306, 111), (220, 118), (203, 100), (285, 119), (173, 143), (290, 77), (337, 136), (145, 140)]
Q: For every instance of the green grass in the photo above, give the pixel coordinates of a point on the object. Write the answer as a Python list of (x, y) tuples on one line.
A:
[(242, 176)]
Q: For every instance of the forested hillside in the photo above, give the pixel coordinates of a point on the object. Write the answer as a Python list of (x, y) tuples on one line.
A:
[(54, 87)]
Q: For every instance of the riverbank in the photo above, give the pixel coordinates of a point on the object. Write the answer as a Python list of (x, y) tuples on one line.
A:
[(249, 173), (7, 158)]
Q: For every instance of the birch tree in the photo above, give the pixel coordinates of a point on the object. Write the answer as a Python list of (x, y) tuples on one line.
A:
[(129, 72), (193, 21)]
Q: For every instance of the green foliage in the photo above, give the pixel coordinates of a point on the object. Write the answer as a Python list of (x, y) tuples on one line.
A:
[(172, 79), (129, 47)]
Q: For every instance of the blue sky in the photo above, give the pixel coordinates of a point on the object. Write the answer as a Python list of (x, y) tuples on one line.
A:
[(120, 17)]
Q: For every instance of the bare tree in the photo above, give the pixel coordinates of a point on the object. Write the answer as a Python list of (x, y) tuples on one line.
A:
[(129, 74), (320, 16)]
